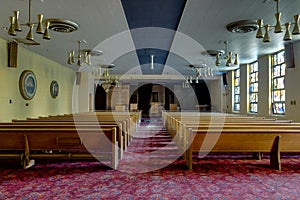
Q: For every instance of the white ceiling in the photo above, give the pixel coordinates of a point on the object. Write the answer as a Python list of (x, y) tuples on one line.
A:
[(103, 25)]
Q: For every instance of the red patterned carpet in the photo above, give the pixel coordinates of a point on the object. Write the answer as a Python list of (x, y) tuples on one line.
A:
[(154, 172)]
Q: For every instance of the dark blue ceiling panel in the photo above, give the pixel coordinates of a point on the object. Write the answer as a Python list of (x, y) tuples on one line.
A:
[(160, 57), (153, 13), (153, 24)]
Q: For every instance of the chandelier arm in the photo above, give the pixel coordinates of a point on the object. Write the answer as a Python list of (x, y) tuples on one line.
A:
[(278, 27), (79, 42), (16, 26), (29, 12), (228, 57)]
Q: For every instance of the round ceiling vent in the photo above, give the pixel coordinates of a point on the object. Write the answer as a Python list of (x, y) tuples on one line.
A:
[(62, 25), (243, 26), (93, 52), (212, 52)]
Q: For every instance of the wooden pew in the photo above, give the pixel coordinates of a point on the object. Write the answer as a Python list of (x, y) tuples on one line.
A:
[(100, 118), (235, 141), (234, 134), (89, 120), (131, 120), (62, 125), (177, 125), (65, 143), (121, 134), (273, 141), (69, 144), (171, 118)]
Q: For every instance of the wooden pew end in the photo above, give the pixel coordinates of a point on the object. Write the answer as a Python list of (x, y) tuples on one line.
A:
[(275, 154)]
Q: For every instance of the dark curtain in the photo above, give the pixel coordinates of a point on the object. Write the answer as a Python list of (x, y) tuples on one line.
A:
[(100, 98), (144, 99), (202, 93)]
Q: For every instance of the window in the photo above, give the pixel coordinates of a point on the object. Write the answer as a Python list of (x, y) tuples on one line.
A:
[(236, 99), (278, 87), (253, 87)]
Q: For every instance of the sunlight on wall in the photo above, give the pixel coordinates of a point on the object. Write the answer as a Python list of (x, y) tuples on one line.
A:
[(45, 71)]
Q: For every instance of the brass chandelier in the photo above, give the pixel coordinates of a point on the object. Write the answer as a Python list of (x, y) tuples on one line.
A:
[(201, 72), (15, 25), (108, 81), (228, 56), (278, 27), (83, 55)]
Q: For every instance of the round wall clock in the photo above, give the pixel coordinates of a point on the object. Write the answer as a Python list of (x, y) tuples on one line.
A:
[(27, 84), (54, 89)]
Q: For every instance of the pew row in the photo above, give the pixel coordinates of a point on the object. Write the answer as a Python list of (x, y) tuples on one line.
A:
[(121, 134), (59, 143), (273, 141), (194, 134), (131, 120)]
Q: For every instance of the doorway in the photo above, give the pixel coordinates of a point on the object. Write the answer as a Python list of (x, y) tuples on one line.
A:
[(100, 98)]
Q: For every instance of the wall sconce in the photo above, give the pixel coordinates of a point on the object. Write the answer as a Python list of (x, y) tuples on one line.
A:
[(278, 27), (16, 26)]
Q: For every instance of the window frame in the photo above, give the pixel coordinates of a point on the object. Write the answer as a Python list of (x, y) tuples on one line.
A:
[(236, 90), (253, 87), (278, 71)]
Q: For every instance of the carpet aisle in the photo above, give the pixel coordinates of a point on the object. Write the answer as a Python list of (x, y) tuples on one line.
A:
[(152, 148), (153, 172)]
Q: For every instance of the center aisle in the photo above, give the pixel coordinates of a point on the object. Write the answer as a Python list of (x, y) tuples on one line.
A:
[(152, 148)]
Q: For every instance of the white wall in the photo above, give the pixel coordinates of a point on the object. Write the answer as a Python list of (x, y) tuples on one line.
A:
[(229, 92), (217, 94), (264, 86), (84, 93), (45, 71), (244, 91), (292, 83)]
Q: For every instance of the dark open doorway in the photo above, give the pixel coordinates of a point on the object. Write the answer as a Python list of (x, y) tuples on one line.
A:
[(144, 99), (100, 98)]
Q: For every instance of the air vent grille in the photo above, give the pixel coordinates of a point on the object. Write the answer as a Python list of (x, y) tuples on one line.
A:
[(212, 52), (62, 25), (243, 26)]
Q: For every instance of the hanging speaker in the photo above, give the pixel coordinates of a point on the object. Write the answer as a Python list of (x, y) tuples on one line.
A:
[(78, 78), (289, 55), (224, 76), (12, 54)]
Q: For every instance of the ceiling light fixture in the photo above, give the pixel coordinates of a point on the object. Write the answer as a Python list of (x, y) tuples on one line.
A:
[(185, 83), (16, 26), (83, 55), (107, 80), (152, 62), (228, 56), (278, 27), (201, 72)]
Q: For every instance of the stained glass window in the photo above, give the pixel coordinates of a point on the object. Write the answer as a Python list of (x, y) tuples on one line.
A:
[(253, 87), (236, 98), (278, 87)]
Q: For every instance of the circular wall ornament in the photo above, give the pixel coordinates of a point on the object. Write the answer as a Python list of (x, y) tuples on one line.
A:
[(27, 84), (54, 89)]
